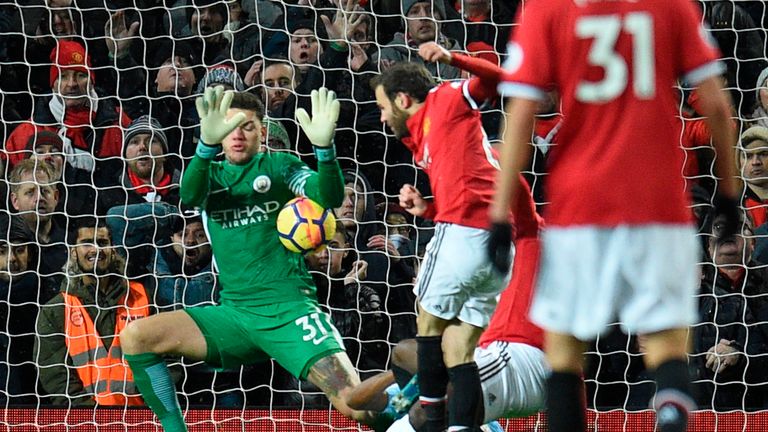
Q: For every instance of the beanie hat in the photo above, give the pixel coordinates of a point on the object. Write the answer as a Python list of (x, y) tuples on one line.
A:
[(221, 74), (755, 133), (145, 125), (45, 137), (484, 51), (276, 130), (308, 23), (69, 55), (761, 82), (438, 6)]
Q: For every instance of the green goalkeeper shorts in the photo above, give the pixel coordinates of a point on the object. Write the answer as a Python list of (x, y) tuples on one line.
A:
[(296, 338)]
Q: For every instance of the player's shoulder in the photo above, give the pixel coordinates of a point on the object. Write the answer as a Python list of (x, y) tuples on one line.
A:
[(445, 91)]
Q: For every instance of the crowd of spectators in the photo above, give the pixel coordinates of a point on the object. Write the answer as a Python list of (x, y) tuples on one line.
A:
[(98, 120)]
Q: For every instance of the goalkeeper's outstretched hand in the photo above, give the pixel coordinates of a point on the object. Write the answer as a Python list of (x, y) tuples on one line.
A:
[(500, 246), (212, 108), (325, 112)]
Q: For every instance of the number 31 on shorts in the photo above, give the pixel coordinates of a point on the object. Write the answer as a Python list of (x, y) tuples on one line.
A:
[(317, 327)]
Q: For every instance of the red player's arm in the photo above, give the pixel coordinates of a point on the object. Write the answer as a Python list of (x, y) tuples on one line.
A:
[(486, 75)]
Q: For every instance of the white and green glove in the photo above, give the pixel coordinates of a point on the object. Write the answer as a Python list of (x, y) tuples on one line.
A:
[(321, 127), (212, 108)]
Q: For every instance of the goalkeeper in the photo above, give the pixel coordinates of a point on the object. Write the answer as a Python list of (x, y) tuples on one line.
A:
[(268, 302)]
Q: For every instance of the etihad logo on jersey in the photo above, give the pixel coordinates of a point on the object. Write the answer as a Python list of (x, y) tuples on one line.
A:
[(243, 216)]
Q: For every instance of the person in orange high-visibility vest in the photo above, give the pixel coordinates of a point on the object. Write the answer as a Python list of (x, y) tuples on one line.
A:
[(78, 349)]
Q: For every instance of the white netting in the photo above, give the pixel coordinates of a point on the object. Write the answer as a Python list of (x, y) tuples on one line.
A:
[(149, 57)]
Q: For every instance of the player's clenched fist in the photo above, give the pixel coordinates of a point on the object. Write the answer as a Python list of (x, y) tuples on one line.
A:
[(412, 201), (212, 108), (325, 112), (433, 52)]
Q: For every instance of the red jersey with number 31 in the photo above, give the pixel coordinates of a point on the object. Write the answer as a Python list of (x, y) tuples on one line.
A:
[(448, 142), (614, 64)]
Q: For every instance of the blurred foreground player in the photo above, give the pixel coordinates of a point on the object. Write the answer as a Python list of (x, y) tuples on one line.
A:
[(620, 243)]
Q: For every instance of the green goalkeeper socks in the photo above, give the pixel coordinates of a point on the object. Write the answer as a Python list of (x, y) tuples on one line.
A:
[(150, 374)]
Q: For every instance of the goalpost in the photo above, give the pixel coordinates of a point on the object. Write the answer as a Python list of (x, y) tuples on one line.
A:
[(263, 397)]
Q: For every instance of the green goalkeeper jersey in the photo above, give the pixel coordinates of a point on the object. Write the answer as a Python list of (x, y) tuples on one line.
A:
[(240, 204)]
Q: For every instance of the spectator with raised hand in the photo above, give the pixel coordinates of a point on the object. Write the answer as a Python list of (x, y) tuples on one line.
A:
[(422, 24), (127, 79), (171, 98), (89, 125)]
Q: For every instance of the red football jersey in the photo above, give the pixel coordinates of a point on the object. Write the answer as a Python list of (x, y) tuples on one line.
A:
[(510, 321), (615, 65), (448, 142)]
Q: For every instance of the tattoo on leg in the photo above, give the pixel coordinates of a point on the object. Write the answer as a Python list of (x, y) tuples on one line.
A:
[(332, 375)]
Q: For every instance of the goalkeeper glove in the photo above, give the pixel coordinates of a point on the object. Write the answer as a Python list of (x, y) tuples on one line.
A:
[(212, 108), (325, 112), (500, 245), (728, 208)]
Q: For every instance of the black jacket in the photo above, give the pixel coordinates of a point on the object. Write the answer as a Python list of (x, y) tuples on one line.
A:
[(737, 313)]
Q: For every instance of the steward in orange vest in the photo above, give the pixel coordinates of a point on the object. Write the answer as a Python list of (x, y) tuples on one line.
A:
[(77, 348)]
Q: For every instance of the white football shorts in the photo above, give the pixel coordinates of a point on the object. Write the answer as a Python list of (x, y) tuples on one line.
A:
[(456, 279), (512, 376), (644, 277)]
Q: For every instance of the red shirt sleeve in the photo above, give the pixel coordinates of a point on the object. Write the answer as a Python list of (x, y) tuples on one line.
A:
[(486, 75), (699, 54), (529, 68)]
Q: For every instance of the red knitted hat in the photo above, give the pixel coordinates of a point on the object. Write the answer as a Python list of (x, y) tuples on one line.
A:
[(69, 55)]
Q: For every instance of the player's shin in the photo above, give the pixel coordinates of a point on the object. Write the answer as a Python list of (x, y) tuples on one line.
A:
[(154, 381), (565, 402), (465, 406), (433, 381)]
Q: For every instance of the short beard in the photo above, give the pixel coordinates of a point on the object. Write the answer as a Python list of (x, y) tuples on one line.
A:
[(399, 126)]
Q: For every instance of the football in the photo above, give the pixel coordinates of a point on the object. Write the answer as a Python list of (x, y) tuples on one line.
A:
[(303, 225)]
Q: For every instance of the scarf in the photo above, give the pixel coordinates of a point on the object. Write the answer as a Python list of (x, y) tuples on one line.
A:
[(75, 123), (148, 191)]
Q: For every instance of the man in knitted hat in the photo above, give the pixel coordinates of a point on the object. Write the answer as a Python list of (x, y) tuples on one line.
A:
[(221, 75), (276, 138), (422, 24), (145, 178), (753, 164), (760, 114), (89, 127)]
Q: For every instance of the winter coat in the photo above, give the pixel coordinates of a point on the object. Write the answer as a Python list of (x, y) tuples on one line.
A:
[(57, 376), (736, 313)]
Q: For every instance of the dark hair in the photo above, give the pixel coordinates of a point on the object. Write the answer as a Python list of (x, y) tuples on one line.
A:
[(249, 102), (81, 222), (180, 222), (412, 79)]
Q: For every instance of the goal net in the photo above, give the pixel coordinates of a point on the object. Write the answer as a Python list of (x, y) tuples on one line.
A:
[(78, 77)]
